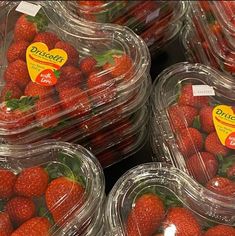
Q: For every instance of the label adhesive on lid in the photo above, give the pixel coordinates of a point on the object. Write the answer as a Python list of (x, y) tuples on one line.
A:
[(28, 8), (203, 90)]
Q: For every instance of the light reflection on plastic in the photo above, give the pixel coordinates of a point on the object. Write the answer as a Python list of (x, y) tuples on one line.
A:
[(170, 230)]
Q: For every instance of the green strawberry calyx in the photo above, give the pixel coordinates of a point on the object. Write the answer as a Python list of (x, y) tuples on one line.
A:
[(224, 164), (23, 104), (40, 20), (56, 73), (107, 57)]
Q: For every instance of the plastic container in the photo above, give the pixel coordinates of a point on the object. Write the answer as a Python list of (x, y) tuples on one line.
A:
[(119, 140), (193, 124), (49, 163), (221, 46), (152, 20), (86, 92), (157, 199)]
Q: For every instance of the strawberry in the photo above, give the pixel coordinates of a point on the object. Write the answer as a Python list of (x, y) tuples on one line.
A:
[(183, 222), (49, 38), (6, 227), (9, 91), (47, 112), (37, 226), (220, 230), (221, 186), (20, 209), (186, 97), (31, 182), (76, 101), (7, 181), (34, 89), (231, 171), (91, 124), (88, 65), (26, 27), (70, 76), (17, 113), (190, 141), (63, 197), (203, 166), (120, 65), (206, 119), (146, 216), (101, 87), (214, 146), (181, 116), (90, 4), (17, 51), (72, 52), (17, 73)]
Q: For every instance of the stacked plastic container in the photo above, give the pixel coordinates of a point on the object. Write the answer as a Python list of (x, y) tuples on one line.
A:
[(157, 22), (51, 188), (209, 35), (157, 199), (70, 80), (193, 125)]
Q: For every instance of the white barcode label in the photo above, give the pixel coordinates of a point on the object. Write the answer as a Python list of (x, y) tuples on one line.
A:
[(153, 15), (203, 90), (28, 8)]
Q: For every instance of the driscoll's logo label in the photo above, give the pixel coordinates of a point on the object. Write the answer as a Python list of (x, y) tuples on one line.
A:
[(224, 121), (43, 65)]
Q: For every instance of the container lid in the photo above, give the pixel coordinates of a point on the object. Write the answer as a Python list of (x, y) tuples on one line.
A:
[(64, 183), (157, 199), (194, 107), (71, 78)]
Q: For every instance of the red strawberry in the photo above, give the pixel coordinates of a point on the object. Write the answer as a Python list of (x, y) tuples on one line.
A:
[(17, 113), (146, 216), (47, 112), (190, 141), (72, 53), (220, 230), (182, 221), (90, 125), (32, 182), (7, 181), (49, 38), (33, 89), (214, 146), (206, 119), (181, 116), (63, 197), (70, 76), (20, 209), (5, 224), (145, 8), (9, 91), (101, 88), (203, 166), (122, 65), (26, 27), (186, 97), (88, 65), (75, 101), (221, 186), (37, 226), (231, 171), (17, 51), (17, 72)]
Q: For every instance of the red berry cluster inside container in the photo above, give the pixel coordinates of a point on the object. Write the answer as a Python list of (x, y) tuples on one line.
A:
[(198, 121), (48, 196), (156, 199), (55, 77)]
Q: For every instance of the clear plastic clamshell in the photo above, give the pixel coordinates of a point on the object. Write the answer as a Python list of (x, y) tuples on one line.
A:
[(157, 199), (193, 122), (64, 70), (60, 185)]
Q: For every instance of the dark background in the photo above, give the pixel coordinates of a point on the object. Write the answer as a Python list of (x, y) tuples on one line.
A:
[(169, 55)]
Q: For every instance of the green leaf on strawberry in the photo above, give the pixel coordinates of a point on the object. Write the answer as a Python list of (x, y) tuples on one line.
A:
[(224, 164), (22, 104), (196, 123), (56, 73), (40, 20)]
